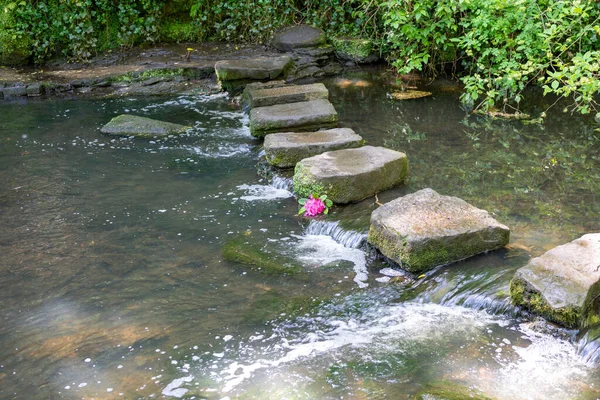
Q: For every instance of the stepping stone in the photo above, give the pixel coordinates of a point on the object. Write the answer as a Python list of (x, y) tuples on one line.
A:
[(294, 117), (284, 150), (296, 37), (286, 94), (350, 175), (424, 229), (260, 68), (142, 127), (562, 284)]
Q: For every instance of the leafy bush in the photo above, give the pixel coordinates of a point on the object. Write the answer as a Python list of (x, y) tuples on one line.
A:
[(499, 47), (72, 28)]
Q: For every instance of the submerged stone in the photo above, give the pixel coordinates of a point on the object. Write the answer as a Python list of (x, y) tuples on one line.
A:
[(286, 94), (242, 250), (409, 94), (425, 229), (562, 284), (350, 175), (284, 150), (302, 116), (259, 68), (133, 125), (296, 37)]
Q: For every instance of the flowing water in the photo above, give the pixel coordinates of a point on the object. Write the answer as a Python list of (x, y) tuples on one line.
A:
[(113, 283)]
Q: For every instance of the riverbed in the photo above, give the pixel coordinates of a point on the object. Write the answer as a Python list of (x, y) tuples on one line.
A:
[(113, 283)]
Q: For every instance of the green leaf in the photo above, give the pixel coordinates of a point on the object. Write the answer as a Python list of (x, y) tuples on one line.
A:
[(315, 195), (554, 85), (326, 211), (328, 203), (301, 211), (302, 201), (324, 197)]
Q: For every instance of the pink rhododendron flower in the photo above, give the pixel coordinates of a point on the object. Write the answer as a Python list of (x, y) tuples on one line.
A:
[(313, 206)]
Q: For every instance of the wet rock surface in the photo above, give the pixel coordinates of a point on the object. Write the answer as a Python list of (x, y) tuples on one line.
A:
[(265, 97), (295, 37), (350, 175), (562, 284), (295, 117), (142, 127), (284, 150), (425, 229), (259, 68)]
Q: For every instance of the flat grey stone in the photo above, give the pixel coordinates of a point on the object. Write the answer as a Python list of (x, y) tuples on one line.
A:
[(133, 125), (294, 117), (259, 68), (559, 284), (350, 175), (14, 91), (294, 37), (284, 150), (425, 229), (34, 89), (287, 94)]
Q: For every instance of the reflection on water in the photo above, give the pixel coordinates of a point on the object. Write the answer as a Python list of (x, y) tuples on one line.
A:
[(113, 283)]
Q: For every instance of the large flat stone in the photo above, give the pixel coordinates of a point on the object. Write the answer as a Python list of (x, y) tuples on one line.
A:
[(562, 283), (286, 94), (133, 125), (295, 117), (425, 229), (259, 68), (301, 36), (284, 150), (350, 175)]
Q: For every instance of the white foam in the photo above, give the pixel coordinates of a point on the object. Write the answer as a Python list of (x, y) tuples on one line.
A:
[(263, 192), (390, 327), (174, 388), (321, 250)]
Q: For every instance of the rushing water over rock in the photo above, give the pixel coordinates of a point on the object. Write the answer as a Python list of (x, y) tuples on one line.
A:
[(348, 238)]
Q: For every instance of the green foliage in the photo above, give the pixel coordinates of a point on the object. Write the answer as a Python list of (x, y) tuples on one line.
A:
[(237, 20), (13, 50), (499, 47), (73, 28)]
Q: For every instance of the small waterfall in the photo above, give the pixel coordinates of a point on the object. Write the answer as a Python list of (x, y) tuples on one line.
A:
[(279, 182), (589, 346), (350, 239)]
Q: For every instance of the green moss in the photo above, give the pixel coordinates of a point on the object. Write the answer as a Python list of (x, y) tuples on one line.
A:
[(434, 253), (188, 73), (521, 294), (177, 31), (241, 250), (304, 186), (357, 50)]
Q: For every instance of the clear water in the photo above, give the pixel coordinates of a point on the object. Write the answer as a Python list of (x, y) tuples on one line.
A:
[(113, 285)]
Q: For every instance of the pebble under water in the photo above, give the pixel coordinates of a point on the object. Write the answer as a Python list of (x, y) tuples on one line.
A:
[(113, 282)]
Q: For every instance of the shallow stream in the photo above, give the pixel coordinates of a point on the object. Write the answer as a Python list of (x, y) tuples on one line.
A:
[(113, 283)]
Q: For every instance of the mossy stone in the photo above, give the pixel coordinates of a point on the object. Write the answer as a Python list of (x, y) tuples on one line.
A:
[(243, 250), (422, 230)]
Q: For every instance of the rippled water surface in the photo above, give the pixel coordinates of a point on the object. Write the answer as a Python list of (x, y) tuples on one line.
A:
[(113, 283)]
